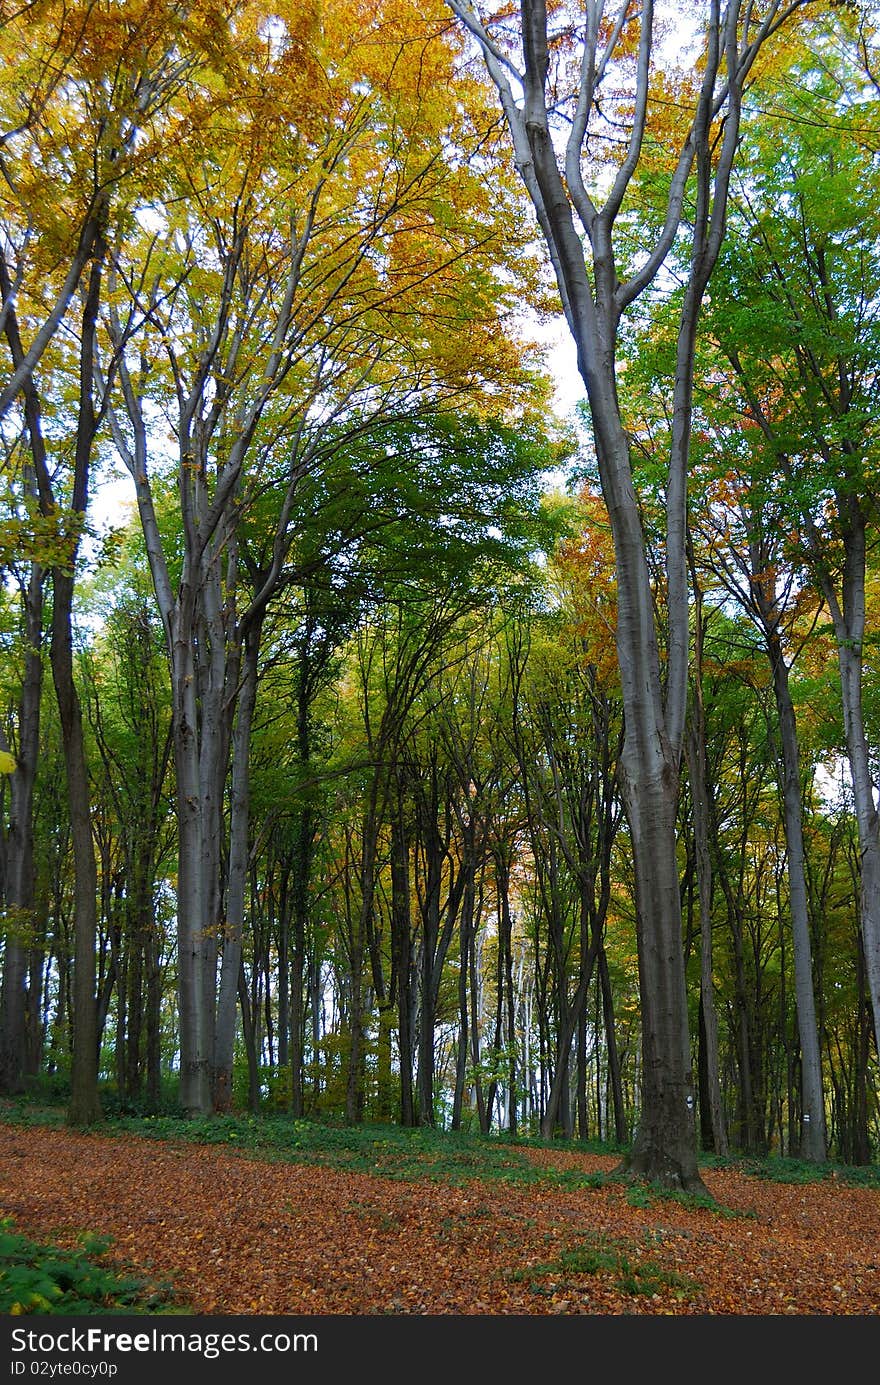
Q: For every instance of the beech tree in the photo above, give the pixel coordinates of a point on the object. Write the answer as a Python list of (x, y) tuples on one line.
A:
[(278, 317), (568, 80), (77, 119), (795, 321), (18, 873)]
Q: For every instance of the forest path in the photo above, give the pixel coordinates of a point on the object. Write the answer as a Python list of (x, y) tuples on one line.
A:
[(240, 1235)]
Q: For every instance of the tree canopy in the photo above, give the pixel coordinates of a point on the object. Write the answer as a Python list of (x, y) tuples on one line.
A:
[(399, 749)]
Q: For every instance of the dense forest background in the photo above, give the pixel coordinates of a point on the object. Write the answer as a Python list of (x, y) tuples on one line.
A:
[(311, 748)]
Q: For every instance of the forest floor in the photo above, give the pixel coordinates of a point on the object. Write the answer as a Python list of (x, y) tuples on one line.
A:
[(249, 1231)]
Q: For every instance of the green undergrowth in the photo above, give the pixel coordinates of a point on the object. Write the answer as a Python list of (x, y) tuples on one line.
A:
[(640, 1194), (779, 1169), (625, 1266), (47, 1279), (424, 1153), (390, 1151)]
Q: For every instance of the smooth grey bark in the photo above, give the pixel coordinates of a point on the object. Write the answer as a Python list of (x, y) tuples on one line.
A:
[(239, 844), (193, 921), (813, 1138), (85, 1106), (695, 751), (401, 946)]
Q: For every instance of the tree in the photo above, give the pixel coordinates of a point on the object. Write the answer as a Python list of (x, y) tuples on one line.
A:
[(26, 566), (750, 566), (278, 318), (92, 91), (598, 73), (795, 320), (84, 1103)]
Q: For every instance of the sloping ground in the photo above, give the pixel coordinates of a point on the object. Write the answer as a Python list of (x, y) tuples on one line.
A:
[(238, 1235)]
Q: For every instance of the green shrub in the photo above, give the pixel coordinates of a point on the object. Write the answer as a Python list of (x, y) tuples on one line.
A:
[(39, 1278)]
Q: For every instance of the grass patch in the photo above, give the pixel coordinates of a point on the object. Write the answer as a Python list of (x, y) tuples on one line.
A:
[(395, 1152), (46, 1279), (649, 1194), (614, 1260)]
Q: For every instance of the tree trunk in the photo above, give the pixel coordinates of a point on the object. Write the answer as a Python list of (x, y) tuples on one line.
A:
[(467, 928), (621, 1133), (20, 848), (401, 944), (665, 1145), (239, 843), (196, 1051), (710, 1080), (85, 1106), (813, 1140), (355, 1095), (850, 662)]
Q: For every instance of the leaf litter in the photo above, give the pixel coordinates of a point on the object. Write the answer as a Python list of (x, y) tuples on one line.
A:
[(236, 1234)]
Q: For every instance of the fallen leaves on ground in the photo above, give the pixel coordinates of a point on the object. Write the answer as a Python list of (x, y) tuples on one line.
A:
[(238, 1235)]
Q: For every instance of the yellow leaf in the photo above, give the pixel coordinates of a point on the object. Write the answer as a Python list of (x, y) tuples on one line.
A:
[(7, 762)]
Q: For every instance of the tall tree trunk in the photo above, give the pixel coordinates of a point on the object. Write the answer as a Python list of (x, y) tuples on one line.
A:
[(813, 1139), (615, 1083), (849, 629), (695, 749), (239, 844), (20, 847), (196, 1051), (355, 1095), (401, 944), (466, 934), (85, 1106), (304, 844)]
